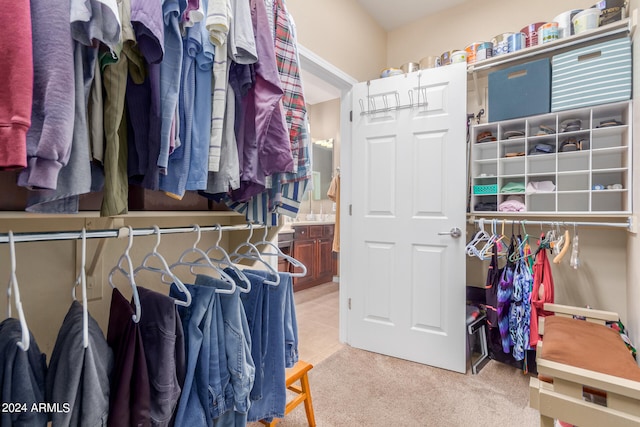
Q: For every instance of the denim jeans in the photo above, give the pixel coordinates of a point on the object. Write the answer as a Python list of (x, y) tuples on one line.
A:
[(237, 342), (256, 308), (280, 327), (290, 324), (203, 397)]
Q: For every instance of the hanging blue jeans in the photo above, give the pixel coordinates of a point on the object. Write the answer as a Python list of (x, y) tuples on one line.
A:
[(273, 402), (203, 397), (256, 308), (237, 341)]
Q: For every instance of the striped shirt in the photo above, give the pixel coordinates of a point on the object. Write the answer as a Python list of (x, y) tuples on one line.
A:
[(218, 22)]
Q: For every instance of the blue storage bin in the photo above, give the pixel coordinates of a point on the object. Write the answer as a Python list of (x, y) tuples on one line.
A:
[(520, 91), (592, 75)]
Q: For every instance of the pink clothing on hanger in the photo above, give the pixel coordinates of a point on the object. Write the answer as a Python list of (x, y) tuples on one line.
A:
[(543, 291)]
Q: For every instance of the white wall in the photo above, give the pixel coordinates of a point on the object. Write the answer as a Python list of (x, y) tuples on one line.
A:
[(342, 33), (472, 21)]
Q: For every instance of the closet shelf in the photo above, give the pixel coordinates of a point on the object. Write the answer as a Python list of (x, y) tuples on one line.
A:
[(19, 221), (604, 161), (134, 214), (615, 29)]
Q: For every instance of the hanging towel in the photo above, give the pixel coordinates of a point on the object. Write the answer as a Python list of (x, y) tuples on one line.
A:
[(542, 292), (334, 195)]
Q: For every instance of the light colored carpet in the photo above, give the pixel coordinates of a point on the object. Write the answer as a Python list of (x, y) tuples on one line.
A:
[(358, 388)]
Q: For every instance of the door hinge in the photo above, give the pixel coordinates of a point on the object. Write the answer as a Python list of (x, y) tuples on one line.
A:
[(350, 210), (349, 303), (351, 115)]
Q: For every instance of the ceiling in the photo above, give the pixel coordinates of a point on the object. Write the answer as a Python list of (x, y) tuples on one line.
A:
[(393, 14), (389, 15)]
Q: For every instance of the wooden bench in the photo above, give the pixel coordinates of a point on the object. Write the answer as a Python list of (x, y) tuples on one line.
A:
[(586, 375), (303, 392)]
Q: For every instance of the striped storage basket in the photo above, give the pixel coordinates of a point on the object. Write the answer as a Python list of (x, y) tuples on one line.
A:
[(597, 74)]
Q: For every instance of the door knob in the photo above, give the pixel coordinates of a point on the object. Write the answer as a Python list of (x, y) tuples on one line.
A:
[(454, 232)]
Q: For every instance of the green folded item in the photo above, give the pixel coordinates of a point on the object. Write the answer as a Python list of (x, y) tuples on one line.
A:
[(513, 187)]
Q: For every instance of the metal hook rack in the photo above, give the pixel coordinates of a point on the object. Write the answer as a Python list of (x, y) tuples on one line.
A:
[(373, 109)]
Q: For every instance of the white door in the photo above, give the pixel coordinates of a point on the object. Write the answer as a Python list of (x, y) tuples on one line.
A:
[(408, 184)]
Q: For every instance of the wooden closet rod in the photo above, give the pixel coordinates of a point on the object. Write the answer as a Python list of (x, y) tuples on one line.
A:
[(121, 232), (626, 225)]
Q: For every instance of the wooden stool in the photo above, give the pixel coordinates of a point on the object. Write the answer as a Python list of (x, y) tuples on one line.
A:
[(298, 372)]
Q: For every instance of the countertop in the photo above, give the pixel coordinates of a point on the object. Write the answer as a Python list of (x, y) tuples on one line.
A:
[(327, 222), (288, 228)]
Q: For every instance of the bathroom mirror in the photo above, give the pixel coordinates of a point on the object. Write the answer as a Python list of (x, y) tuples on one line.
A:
[(322, 167)]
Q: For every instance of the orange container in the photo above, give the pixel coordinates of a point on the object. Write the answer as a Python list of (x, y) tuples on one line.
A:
[(471, 50)]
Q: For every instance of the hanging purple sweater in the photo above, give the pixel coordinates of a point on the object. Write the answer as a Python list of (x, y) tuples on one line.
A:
[(52, 115)]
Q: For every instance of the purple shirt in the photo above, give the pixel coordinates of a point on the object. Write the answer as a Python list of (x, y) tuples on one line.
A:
[(148, 24), (263, 137), (143, 99)]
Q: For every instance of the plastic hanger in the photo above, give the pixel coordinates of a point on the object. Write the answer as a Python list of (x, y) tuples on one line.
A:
[(484, 253), (126, 258), (493, 242), (481, 236), (566, 241), (254, 254), (520, 251), (204, 261), (558, 240), (226, 261), (278, 252), (81, 281), (164, 270), (13, 288), (574, 261)]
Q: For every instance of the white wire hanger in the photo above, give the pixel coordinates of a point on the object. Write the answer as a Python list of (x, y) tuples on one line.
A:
[(125, 257), (82, 281), (13, 288), (226, 261), (278, 253), (254, 254), (204, 261), (165, 270)]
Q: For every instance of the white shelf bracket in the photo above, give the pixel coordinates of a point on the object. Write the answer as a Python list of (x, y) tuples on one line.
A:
[(633, 224), (477, 88)]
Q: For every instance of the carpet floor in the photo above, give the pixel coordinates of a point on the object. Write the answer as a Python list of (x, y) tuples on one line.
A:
[(359, 388)]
